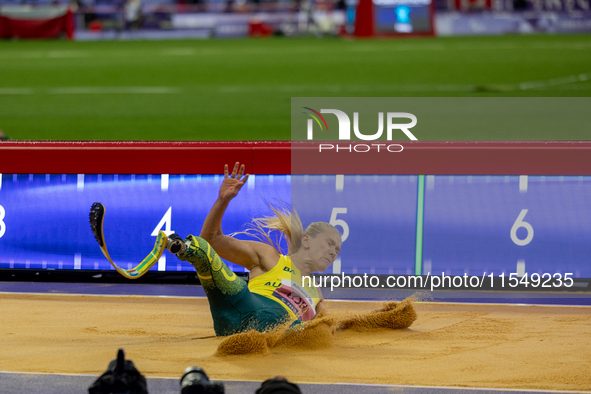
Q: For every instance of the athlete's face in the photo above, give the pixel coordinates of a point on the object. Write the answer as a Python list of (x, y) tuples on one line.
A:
[(324, 248)]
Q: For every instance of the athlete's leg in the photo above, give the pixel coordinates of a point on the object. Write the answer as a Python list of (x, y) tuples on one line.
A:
[(233, 307)]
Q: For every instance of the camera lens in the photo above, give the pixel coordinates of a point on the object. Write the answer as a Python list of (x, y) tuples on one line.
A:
[(196, 381), (278, 385)]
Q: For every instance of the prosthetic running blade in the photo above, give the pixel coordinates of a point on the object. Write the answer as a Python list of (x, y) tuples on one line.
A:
[(97, 215)]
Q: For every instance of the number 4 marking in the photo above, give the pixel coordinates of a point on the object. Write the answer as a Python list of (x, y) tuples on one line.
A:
[(166, 219)]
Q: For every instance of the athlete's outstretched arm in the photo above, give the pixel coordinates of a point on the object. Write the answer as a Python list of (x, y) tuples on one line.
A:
[(248, 254)]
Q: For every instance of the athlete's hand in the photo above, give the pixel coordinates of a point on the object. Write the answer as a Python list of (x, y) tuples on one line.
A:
[(232, 182)]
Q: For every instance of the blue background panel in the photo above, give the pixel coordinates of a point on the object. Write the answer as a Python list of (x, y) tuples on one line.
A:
[(468, 221), (381, 216), (418, 18), (46, 216)]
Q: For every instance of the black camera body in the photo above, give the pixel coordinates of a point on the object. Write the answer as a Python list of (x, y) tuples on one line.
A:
[(121, 377), (278, 385), (196, 381)]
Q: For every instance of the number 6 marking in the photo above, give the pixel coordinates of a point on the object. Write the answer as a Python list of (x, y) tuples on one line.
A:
[(339, 222), (2, 224), (520, 223)]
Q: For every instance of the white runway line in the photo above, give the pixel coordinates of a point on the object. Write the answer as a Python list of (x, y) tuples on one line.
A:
[(347, 88), (162, 263), (430, 182), (80, 182), (164, 182), (520, 268), (560, 83), (114, 90), (179, 52), (554, 81), (427, 265), (336, 266), (307, 49), (573, 87), (16, 91), (400, 48), (522, 183), (340, 183), (67, 54), (55, 54), (77, 261)]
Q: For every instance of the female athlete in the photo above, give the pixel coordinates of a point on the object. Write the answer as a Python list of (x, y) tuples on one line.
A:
[(275, 294)]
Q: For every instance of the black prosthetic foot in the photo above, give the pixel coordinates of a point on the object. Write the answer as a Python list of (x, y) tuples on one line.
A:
[(97, 213)]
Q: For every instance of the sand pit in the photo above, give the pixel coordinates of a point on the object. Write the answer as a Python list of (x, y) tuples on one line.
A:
[(448, 344)]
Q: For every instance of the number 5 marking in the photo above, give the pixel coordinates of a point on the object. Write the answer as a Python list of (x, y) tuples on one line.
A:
[(2, 224), (339, 222), (520, 223)]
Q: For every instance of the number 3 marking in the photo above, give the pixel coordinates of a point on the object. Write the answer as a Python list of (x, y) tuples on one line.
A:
[(2, 224), (520, 223)]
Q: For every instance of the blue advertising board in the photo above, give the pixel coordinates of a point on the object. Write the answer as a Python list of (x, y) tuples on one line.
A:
[(403, 16), (391, 224), (534, 224), (45, 217)]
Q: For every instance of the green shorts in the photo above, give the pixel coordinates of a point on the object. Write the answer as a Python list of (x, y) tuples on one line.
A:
[(233, 307)]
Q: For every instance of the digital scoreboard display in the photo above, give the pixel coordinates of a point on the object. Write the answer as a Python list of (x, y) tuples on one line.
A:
[(390, 224), (403, 16), (45, 216)]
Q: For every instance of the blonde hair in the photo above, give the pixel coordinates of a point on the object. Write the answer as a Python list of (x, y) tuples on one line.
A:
[(284, 225)]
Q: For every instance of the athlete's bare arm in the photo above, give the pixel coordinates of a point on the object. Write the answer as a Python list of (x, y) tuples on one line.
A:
[(257, 257)]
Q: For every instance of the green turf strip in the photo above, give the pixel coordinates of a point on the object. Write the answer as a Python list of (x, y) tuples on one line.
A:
[(241, 89), (419, 237)]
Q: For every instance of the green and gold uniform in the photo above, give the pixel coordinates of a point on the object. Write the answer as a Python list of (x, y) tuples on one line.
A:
[(269, 300)]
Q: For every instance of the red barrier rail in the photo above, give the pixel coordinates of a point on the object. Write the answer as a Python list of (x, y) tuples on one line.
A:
[(283, 157)]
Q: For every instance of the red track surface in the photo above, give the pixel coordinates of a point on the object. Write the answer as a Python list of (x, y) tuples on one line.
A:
[(280, 157)]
